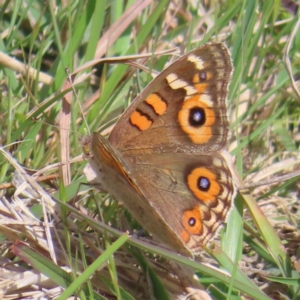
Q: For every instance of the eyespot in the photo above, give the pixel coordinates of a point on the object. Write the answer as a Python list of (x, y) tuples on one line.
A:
[(203, 184), (196, 118), (202, 75), (192, 223)]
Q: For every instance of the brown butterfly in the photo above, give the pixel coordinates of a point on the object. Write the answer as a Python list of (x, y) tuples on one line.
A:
[(165, 158)]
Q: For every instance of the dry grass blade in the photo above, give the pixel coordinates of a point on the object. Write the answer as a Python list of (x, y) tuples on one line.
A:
[(116, 30), (64, 128), (25, 70)]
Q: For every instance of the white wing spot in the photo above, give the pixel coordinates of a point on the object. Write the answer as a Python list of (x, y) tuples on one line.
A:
[(199, 63), (176, 83)]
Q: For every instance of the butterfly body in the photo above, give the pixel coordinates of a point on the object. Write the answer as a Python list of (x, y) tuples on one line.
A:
[(165, 157)]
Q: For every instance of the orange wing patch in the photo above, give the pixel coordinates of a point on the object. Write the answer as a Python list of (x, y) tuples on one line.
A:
[(157, 103), (142, 122)]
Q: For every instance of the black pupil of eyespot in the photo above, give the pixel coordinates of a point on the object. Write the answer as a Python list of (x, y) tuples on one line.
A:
[(202, 75), (197, 116), (203, 184), (192, 221)]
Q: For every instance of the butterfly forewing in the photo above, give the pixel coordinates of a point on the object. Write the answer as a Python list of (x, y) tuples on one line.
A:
[(183, 109)]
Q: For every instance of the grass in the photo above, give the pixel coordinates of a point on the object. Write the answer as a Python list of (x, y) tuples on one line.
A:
[(53, 227)]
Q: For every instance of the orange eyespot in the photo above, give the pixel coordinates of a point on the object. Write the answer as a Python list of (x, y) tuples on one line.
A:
[(203, 184), (196, 119), (192, 221)]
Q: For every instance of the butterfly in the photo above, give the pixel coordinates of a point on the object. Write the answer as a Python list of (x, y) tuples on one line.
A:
[(166, 157)]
